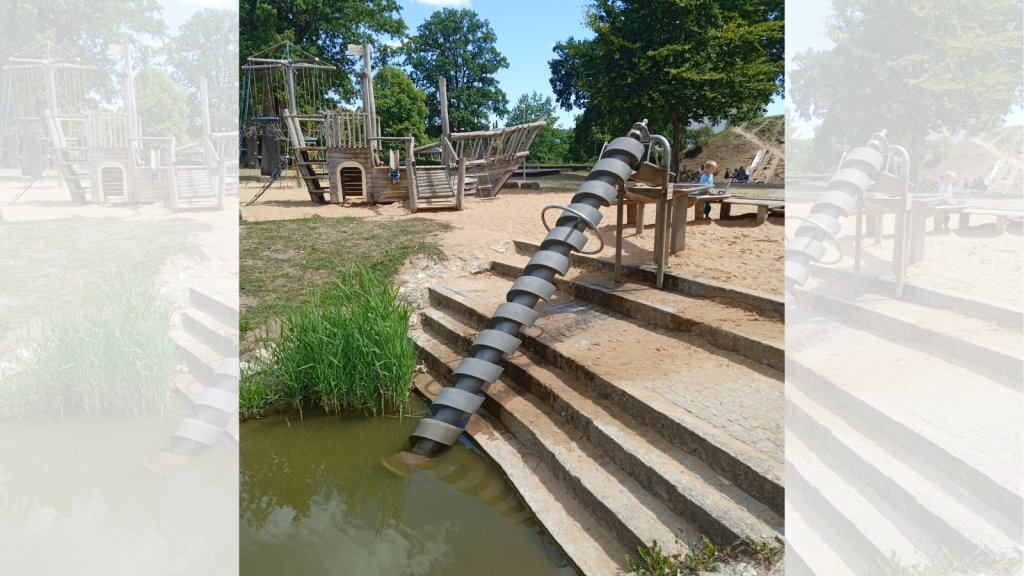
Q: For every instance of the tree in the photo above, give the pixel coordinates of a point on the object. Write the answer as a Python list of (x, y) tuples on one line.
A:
[(672, 63), (322, 27), (84, 28), (460, 47), (206, 46), (910, 67), (551, 145), (401, 106), (161, 105)]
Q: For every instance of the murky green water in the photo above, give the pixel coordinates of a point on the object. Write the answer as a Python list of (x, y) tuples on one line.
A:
[(315, 500), (78, 485)]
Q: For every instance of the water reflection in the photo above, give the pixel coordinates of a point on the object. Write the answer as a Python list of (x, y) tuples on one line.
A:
[(79, 485), (315, 500)]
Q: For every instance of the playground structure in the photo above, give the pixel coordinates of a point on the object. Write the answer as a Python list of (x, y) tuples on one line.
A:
[(337, 154), (100, 155)]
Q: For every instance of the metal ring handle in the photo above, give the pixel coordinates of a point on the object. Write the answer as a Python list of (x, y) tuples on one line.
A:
[(827, 233), (581, 218)]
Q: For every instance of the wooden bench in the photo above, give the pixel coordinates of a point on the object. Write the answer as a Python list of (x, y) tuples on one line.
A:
[(1002, 216), (702, 199), (763, 206)]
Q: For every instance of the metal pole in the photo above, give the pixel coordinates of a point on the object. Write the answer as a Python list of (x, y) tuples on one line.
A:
[(662, 216), (899, 258), (618, 237)]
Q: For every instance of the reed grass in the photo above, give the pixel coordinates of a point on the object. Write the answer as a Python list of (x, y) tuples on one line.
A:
[(107, 348), (345, 347)]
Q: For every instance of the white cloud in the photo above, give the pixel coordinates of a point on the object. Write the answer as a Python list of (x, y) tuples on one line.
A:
[(444, 3), (395, 43)]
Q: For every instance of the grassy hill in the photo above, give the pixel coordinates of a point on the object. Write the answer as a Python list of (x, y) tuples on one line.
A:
[(737, 145)]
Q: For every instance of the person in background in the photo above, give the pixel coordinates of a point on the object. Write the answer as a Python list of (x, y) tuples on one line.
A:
[(708, 177), (946, 189)]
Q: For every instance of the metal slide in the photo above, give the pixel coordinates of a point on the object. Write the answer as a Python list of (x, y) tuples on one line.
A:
[(453, 406)]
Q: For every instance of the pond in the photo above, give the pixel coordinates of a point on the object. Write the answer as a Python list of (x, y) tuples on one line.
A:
[(76, 483), (315, 499)]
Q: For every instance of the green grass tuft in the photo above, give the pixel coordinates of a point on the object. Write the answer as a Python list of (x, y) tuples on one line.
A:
[(107, 348), (345, 347)]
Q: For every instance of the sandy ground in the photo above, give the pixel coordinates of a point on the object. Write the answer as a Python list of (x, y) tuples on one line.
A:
[(214, 265), (973, 263), (737, 252)]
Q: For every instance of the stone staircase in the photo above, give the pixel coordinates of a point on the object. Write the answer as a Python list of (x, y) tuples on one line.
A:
[(209, 333), (628, 415), (902, 427)]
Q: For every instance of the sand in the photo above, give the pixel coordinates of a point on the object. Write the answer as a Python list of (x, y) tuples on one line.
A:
[(975, 263), (736, 252)]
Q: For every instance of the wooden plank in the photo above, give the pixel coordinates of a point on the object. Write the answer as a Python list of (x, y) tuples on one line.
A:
[(755, 202)]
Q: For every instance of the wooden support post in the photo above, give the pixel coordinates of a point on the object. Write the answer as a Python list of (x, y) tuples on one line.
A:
[(762, 213), (460, 184), (640, 218), (442, 94), (410, 173)]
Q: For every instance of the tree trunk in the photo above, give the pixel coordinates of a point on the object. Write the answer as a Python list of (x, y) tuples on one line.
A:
[(676, 141)]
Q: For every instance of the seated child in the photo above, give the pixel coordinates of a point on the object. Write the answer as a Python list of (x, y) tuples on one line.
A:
[(708, 177), (946, 189), (741, 175)]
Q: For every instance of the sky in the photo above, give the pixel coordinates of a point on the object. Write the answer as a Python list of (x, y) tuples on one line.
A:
[(527, 30)]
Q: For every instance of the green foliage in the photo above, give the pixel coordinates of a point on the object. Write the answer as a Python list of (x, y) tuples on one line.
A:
[(322, 27), (84, 28), (551, 146), (459, 46), (346, 347), (108, 348), (653, 562), (960, 69), (671, 63), (206, 46), (401, 106), (161, 105)]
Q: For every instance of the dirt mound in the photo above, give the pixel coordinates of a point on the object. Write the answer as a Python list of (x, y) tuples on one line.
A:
[(977, 155), (737, 146)]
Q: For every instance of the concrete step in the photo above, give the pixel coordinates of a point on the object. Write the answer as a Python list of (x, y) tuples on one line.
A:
[(953, 331), (210, 331), (953, 416), (215, 304), (681, 481), (676, 282), (721, 407), (201, 360), (583, 540), (759, 336), (886, 470), (606, 491), (995, 312), (853, 516), (807, 553)]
